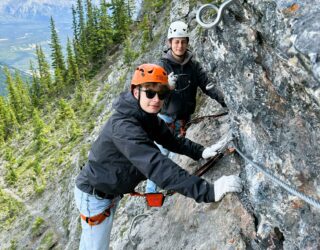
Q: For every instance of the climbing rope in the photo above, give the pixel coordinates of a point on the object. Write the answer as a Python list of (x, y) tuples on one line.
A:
[(287, 187), (219, 12)]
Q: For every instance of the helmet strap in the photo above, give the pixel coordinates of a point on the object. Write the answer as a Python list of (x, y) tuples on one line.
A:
[(139, 93)]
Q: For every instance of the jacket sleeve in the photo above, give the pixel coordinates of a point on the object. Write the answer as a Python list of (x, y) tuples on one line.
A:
[(180, 145), (133, 142), (203, 81)]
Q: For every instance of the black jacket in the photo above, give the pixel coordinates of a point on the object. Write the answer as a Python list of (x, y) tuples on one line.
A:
[(182, 102), (124, 154)]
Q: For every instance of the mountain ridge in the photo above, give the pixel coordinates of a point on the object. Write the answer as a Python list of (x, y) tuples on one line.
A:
[(33, 9)]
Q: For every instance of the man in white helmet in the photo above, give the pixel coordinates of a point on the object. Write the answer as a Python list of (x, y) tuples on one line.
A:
[(185, 76)]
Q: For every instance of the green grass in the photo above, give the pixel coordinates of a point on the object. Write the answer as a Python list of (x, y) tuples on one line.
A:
[(10, 209)]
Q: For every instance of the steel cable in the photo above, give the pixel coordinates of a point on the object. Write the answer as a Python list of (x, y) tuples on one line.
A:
[(275, 179)]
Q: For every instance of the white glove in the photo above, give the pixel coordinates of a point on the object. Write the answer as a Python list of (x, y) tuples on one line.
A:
[(209, 152), (213, 149), (226, 184), (172, 79)]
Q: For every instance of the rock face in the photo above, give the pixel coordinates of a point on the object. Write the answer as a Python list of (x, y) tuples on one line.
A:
[(269, 74), (264, 55)]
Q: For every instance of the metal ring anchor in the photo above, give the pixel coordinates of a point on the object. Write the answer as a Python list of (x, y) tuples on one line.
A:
[(218, 10), (210, 86)]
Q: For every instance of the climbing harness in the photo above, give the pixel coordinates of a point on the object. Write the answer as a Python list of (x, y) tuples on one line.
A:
[(201, 118), (275, 179), (219, 12), (99, 218)]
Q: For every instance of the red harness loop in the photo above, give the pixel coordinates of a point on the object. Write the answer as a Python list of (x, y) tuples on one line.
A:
[(152, 199), (97, 219)]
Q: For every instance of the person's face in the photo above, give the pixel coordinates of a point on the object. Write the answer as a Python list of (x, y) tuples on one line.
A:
[(150, 101), (179, 46)]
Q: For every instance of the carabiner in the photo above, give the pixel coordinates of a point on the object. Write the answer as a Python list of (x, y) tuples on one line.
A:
[(218, 10)]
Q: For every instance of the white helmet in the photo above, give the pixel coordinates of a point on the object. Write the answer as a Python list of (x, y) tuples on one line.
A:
[(178, 29)]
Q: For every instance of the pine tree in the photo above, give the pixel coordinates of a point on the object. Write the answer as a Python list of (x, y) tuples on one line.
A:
[(65, 111), (121, 20), (130, 8), (35, 89), (81, 25), (104, 29), (58, 82), (146, 29), (96, 53), (56, 51), (2, 133), (44, 73), (68, 117), (81, 60), (90, 28), (2, 121), (73, 73), (129, 54), (22, 89), (80, 40), (14, 96), (92, 36), (9, 122), (40, 129), (75, 26)]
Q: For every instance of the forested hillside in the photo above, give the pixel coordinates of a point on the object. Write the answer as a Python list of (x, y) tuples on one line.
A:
[(43, 122)]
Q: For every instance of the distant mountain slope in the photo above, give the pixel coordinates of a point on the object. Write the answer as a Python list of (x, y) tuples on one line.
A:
[(3, 90), (34, 9), (24, 24)]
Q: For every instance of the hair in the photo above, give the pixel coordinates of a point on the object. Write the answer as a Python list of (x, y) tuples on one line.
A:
[(170, 39), (154, 85)]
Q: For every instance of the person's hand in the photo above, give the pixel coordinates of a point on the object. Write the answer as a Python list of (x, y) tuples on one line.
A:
[(209, 152), (218, 146), (226, 184), (172, 79)]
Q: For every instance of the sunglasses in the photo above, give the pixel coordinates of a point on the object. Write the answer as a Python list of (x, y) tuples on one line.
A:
[(151, 94)]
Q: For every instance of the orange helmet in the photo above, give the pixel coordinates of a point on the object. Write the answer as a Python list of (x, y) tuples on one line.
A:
[(149, 73)]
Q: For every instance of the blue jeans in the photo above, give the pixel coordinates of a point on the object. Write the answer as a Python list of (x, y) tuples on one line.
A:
[(94, 237), (151, 187)]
